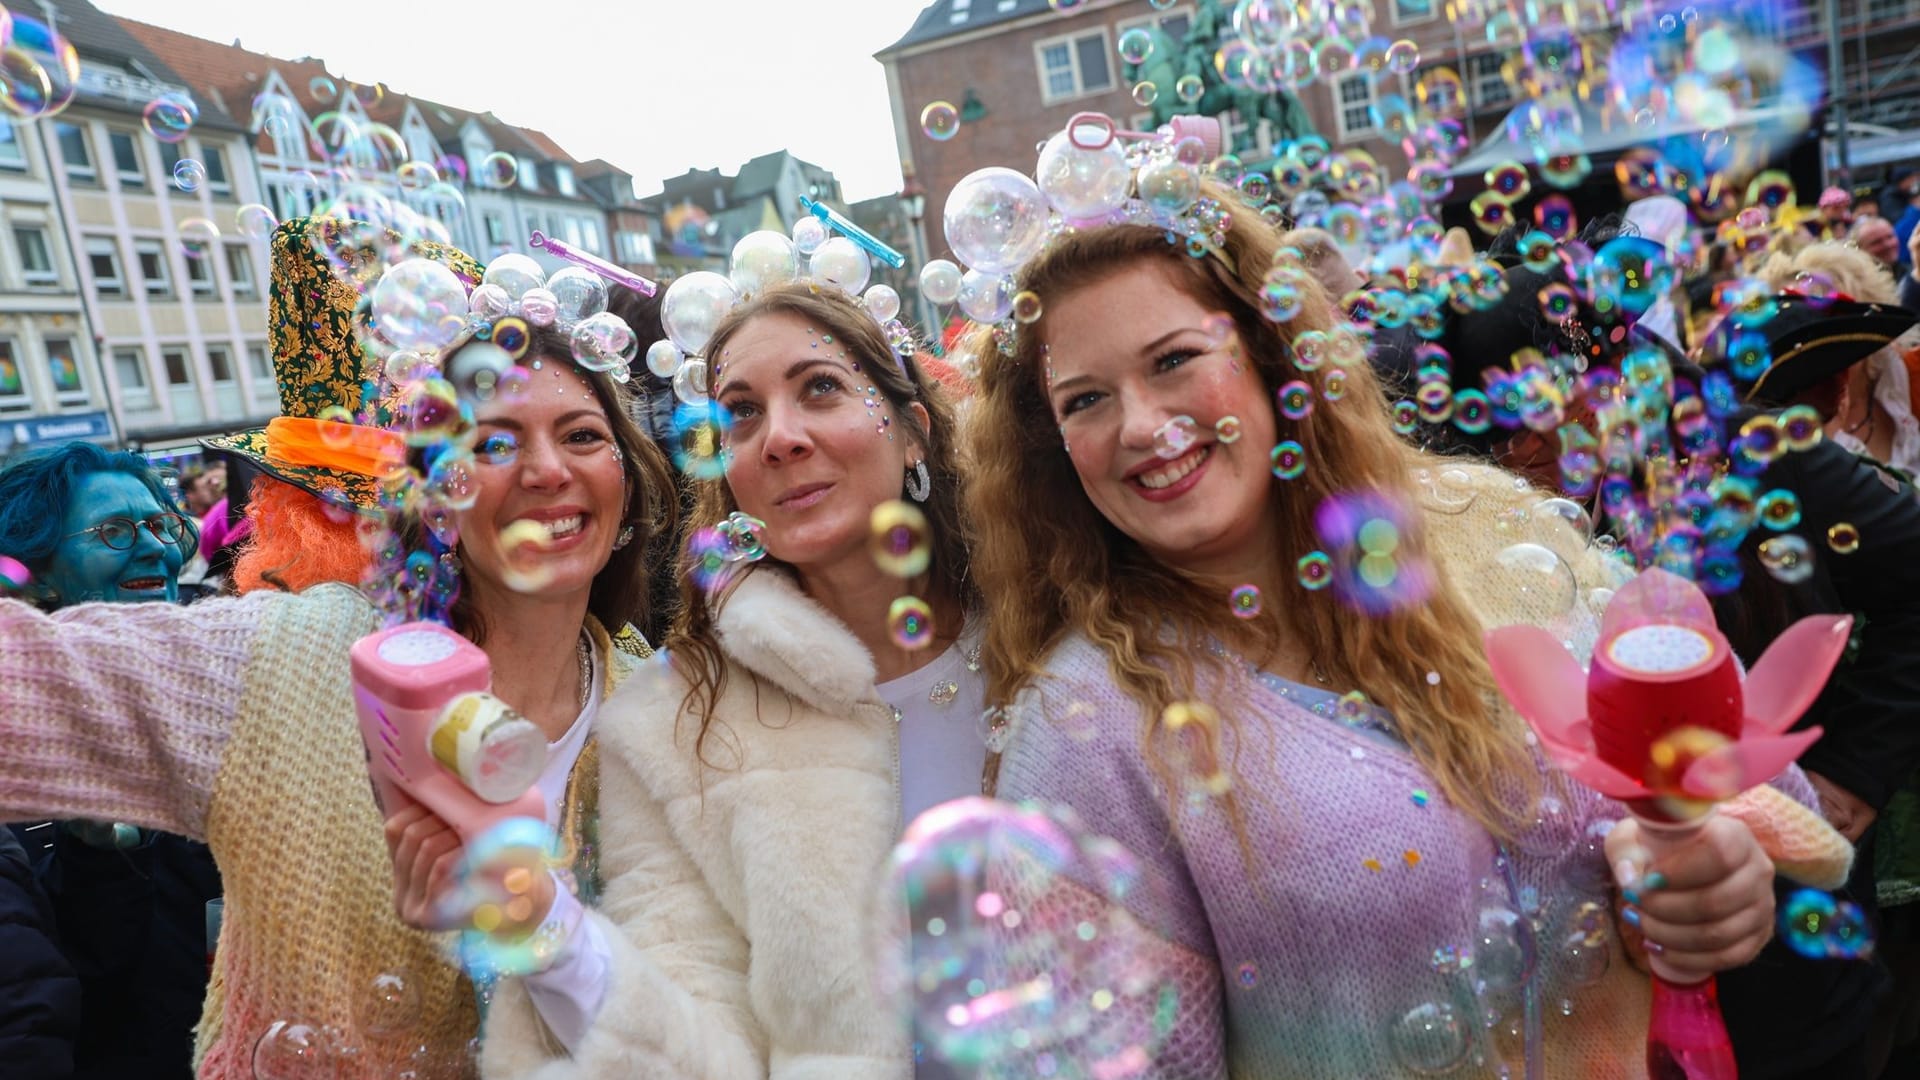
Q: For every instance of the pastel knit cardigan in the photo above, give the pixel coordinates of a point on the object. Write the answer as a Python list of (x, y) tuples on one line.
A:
[(232, 722)]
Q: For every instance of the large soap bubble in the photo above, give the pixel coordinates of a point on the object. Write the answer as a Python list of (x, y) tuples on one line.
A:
[(1084, 185), (693, 306), (985, 298), (996, 219), (578, 293), (514, 273), (839, 261), (762, 260), (1006, 938), (419, 305)]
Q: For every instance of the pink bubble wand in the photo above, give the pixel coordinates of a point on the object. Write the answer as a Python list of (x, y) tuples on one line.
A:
[(618, 275), (1663, 722)]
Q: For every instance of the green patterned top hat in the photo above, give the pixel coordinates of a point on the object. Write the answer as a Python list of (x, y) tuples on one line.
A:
[(320, 269)]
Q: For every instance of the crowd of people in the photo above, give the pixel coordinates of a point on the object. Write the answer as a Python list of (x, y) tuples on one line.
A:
[(1191, 540)]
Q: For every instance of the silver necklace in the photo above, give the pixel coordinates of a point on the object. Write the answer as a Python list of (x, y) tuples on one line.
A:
[(586, 671)]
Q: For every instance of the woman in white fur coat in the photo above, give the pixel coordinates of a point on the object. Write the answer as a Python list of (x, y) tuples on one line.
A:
[(753, 784)]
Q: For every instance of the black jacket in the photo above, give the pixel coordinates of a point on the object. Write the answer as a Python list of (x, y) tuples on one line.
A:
[(39, 994)]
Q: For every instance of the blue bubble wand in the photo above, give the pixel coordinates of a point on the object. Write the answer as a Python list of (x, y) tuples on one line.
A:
[(867, 241)]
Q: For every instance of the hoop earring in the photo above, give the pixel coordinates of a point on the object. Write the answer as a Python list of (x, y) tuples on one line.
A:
[(919, 492), (625, 537)]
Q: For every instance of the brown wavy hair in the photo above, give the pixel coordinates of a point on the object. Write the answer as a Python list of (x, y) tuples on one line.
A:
[(692, 640), (1048, 574)]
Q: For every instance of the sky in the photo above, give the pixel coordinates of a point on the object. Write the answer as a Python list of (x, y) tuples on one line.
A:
[(654, 86)]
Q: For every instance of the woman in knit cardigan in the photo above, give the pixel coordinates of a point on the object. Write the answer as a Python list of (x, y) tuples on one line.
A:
[(233, 720), (753, 786), (1343, 885)]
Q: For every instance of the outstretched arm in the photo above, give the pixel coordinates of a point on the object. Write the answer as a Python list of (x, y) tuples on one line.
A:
[(120, 712)]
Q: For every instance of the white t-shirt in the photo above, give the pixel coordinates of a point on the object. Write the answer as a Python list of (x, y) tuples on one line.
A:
[(942, 734)]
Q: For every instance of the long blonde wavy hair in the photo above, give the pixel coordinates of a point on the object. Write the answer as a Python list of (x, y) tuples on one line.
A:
[(1047, 573)]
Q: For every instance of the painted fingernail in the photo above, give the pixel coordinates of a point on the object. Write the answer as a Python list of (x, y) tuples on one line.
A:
[(1654, 947), (1632, 897), (1627, 873), (1630, 916), (1655, 880)]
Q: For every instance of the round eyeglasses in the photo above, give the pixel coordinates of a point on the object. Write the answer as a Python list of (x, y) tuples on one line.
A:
[(119, 533)]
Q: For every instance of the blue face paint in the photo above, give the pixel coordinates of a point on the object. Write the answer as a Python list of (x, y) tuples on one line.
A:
[(84, 568)]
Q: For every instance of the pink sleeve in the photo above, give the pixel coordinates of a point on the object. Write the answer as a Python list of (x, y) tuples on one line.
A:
[(120, 712)]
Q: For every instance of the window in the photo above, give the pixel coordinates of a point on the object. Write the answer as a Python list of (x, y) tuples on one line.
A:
[(1353, 95), (563, 180), (1487, 81), (571, 227), (1408, 12), (220, 362), (130, 368), (240, 272), (634, 247), (179, 369), (1879, 11), (527, 173), (126, 159), (496, 231), (170, 155), (156, 273), (258, 365), (13, 155), (153, 267), (591, 236), (1073, 66), (13, 388), (75, 153), (36, 264), (103, 261), (64, 370), (200, 275), (216, 164)]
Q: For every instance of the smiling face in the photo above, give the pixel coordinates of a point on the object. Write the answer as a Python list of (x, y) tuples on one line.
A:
[(815, 446), (84, 568), (1126, 355), (546, 474)]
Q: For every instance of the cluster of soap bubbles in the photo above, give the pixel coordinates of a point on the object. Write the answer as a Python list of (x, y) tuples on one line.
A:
[(901, 543), (1819, 925), (386, 1011), (1363, 536), (1007, 934), (716, 554)]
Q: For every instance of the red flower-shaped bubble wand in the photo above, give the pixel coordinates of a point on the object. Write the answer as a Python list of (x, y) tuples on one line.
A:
[(1667, 725)]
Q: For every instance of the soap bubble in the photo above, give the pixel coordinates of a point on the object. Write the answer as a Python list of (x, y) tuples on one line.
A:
[(170, 116), (604, 342), (1005, 933), (1817, 925), (940, 121), (910, 623), (1575, 516), (418, 305), (1788, 557), (1244, 601), (693, 305), (1084, 185), (1168, 186), (189, 175), (940, 282), (390, 1005), (292, 1050), (842, 263), (1504, 948), (1136, 44), (808, 234), (995, 219), (901, 542), (690, 381), (540, 306), (699, 442), (881, 302), (255, 222), (1175, 437), (498, 171), (40, 72), (746, 537), (1314, 570), (1535, 576), (761, 260), (1289, 459), (515, 274), (476, 369), (1429, 1039), (579, 293), (199, 236), (663, 359), (1843, 538), (985, 298)]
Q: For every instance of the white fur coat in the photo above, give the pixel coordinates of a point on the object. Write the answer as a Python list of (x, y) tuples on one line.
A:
[(737, 896)]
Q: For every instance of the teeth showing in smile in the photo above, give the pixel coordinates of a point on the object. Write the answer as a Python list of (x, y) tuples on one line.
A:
[(564, 527), (141, 583), (1170, 473)]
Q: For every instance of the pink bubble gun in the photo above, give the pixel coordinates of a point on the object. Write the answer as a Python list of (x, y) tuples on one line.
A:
[(618, 275), (1664, 722), (433, 731)]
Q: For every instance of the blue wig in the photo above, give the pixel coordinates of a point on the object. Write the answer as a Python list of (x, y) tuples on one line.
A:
[(36, 488)]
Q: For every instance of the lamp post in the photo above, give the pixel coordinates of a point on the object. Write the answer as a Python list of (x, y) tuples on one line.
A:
[(913, 202)]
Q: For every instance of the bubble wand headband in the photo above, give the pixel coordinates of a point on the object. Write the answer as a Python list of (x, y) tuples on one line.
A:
[(1664, 722), (867, 241), (605, 269)]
